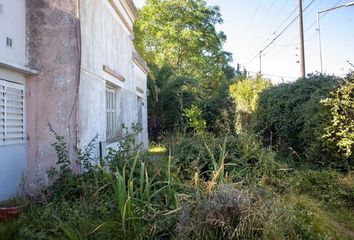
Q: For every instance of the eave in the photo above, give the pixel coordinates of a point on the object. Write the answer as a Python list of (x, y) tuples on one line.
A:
[(141, 63), (18, 68)]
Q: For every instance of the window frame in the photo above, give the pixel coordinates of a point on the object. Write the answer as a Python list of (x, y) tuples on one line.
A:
[(12, 120), (113, 98)]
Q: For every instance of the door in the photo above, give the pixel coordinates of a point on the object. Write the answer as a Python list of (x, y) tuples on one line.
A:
[(12, 138)]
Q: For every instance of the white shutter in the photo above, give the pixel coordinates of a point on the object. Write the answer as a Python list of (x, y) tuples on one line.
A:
[(12, 126)]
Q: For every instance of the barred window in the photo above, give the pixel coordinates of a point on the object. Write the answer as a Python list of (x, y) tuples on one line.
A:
[(113, 110), (140, 110)]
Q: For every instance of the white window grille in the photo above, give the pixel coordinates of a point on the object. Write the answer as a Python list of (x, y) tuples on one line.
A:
[(12, 126), (140, 110), (113, 112)]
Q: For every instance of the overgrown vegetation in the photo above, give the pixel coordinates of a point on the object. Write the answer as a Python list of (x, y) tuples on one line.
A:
[(231, 158), (311, 118)]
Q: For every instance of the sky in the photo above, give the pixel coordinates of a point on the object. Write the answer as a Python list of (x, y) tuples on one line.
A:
[(250, 25)]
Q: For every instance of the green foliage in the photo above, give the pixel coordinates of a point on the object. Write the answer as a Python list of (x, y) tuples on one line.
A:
[(245, 160), (189, 67), (182, 34), (341, 130), (331, 187), (190, 155), (195, 120), (233, 213), (245, 94), (219, 111), (291, 117), (244, 194), (169, 96)]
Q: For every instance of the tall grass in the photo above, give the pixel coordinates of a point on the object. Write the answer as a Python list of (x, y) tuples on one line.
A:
[(217, 175)]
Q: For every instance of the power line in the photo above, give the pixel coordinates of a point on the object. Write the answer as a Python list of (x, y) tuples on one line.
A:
[(253, 17), (256, 32), (290, 43), (279, 12), (272, 75), (287, 26), (295, 44), (281, 33), (274, 32), (265, 16)]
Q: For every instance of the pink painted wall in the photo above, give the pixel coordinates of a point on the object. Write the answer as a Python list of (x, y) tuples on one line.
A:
[(54, 50)]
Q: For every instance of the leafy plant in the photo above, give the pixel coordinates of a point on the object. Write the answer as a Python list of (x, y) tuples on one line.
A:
[(245, 94), (183, 36), (195, 120), (341, 130), (291, 117)]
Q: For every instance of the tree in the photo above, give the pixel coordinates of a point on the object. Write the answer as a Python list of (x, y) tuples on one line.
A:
[(245, 93), (169, 96), (182, 34)]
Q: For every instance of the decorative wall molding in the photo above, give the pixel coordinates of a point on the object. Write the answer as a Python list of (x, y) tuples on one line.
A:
[(140, 90), (121, 16), (141, 63), (114, 73)]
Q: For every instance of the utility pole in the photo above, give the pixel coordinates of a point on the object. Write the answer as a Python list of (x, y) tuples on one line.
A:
[(319, 39), (301, 34), (260, 62), (319, 27)]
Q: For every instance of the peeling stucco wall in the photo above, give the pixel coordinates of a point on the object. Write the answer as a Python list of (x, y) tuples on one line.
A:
[(107, 41), (53, 48)]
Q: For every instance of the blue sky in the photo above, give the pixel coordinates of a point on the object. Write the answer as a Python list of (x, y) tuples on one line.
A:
[(250, 25)]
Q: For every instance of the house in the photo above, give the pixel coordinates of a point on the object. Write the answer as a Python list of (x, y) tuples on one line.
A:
[(71, 63)]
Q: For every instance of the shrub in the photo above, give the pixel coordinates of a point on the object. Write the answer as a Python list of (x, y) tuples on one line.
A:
[(245, 94), (190, 154), (232, 213), (246, 160), (291, 117), (341, 130), (331, 187), (219, 111)]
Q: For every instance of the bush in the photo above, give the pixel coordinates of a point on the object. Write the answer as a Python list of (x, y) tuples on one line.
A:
[(291, 117), (246, 160), (190, 154), (114, 198), (341, 130), (232, 213), (219, 111), (331, 187), (245, 94)]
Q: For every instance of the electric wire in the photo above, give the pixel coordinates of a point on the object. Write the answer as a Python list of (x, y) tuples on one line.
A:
[(291, 43), (281, 33), (272, 75), (253, 17)]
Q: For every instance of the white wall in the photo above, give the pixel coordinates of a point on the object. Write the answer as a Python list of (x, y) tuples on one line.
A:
[(13, 162), (13, 25), (106, 41), (12, 170)]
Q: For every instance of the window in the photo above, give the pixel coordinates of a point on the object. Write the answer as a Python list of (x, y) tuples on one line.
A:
[(9, 42), (113, 109), (140, 110), (11, 113)]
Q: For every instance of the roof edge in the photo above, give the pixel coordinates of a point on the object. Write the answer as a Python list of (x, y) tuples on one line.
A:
[(132, 8)]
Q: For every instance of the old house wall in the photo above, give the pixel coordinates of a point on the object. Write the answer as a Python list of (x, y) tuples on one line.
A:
[(107, 41), (12, 65), (12, 20), (53, 49), (12, 156)]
